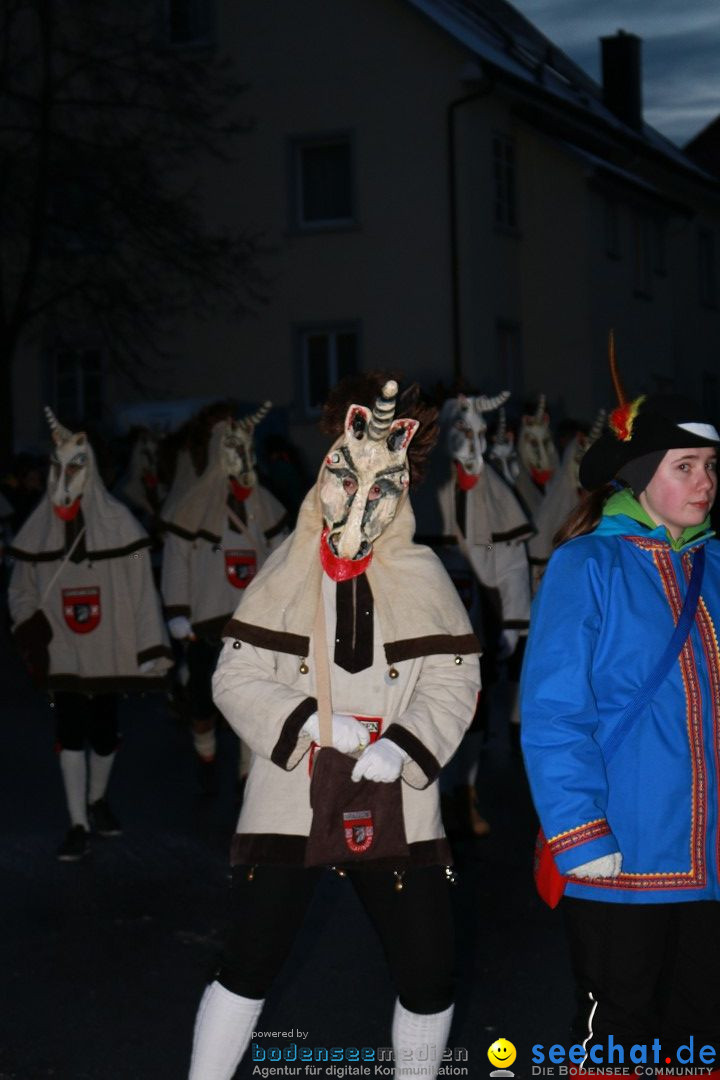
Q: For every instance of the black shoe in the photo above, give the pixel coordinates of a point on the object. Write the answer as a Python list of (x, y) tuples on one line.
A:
[(102, 820), (75, 845)]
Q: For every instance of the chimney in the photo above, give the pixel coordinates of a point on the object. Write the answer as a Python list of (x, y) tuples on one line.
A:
[(622, 77)]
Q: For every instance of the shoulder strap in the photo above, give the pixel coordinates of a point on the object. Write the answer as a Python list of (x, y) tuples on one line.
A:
[(682, 629), (322, 674)]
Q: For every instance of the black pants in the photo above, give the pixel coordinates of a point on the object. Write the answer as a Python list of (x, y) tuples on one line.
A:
[(414, 925), (81, 720), (202, 656), (653, 971)]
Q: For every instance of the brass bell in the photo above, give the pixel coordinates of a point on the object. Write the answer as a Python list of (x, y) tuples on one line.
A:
[(458, 660), (251, 874), (393, 673), (398, 875), (303, 669)]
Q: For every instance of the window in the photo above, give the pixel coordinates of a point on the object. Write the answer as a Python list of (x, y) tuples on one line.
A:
[(76, 376), (504, 181), (187, 22), (327, 354), (322, 191), (707, 272)]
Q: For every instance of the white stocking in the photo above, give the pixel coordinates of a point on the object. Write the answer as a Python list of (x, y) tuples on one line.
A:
[(419, 1041), (73, 767), (223, 1026), (100, 766)]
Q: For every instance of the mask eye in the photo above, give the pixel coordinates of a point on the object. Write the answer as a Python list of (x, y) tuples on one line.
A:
[(349, 485), (375, 492)]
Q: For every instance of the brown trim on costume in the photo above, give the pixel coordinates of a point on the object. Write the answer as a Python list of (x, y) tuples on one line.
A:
[(185, 534), (252, 849), (154, 653), (211, 629), (277, 527), (174, 610), (290, 732), (432, 644), (416, 750), (519, 532), (354, 625), (92, 556), (275, 640), (111, 684)]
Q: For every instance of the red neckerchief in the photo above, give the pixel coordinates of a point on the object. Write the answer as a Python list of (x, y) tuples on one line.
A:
[(149, 479), (466, 481), (340, 569), (241, 493), (541, 476), (67, 513)]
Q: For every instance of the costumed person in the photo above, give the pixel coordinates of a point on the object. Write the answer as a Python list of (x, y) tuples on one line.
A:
[(537, 455), (353, 626), (217, 536), (621, 730), (484, 528), (88, 623), (562, 496), (140, 487)]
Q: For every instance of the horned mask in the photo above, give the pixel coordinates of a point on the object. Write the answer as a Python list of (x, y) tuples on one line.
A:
[(466, 438), (69, 467), (365, 475), (237, 447), (503, 451), (536, 448)]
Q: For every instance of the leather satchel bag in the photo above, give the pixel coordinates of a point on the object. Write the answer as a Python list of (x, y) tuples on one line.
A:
[(353, 823), (549, 882)]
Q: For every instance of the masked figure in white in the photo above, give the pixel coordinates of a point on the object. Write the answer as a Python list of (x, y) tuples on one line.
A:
[(502, 452), (351, 616), (87, 619), (562, 496), (480, 531), (141, 487), (217, 537), (538, 457)]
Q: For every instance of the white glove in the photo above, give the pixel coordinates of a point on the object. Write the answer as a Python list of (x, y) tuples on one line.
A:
[(348, 734), (180, 628), (383, 762), (605, 866), (147, 665)]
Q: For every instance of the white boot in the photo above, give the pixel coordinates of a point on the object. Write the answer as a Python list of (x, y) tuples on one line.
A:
[(100, 769), (419, 1041), (73, 767), (223, 1026)]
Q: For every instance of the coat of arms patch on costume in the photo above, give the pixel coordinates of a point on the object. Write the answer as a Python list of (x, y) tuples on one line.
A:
[(81, 608)]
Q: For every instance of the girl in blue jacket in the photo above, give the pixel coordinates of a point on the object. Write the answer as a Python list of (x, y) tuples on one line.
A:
[(637, 832)]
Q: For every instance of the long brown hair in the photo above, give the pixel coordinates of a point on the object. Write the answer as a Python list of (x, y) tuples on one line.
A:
[(586, 515)]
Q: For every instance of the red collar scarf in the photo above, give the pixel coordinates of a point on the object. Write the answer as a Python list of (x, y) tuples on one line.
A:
[(340, 569)]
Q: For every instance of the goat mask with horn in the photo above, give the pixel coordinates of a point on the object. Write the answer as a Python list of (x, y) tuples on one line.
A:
[(466, 432), (69, 468), (536, 448), (365, 475), (237, 449)]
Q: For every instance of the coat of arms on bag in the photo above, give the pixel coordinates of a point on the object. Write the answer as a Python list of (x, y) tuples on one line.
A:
[(81, 608), (359, 830), (240, 566)]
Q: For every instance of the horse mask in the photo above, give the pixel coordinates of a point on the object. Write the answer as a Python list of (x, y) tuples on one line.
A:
[(365, 475), (69, 468), (237, 448), (466, 436)]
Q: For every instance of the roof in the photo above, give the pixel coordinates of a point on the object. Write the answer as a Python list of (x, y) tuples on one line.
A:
[(499, 37)]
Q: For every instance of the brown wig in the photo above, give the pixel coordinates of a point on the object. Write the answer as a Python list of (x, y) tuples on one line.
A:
[(586, 515), (363, 390)]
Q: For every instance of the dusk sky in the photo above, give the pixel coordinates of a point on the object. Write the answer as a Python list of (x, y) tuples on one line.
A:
[(681, 51)]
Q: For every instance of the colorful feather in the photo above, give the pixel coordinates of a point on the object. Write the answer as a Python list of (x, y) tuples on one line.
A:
[(622, 419)]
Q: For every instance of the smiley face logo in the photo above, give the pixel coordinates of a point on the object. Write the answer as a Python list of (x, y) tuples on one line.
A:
[(502, 1053)]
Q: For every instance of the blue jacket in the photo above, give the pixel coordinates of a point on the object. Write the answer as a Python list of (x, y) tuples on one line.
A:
[(605, 612)]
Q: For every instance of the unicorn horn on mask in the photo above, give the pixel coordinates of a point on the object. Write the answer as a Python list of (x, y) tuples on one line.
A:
[(597, 429), (59, 433), (487, 404), (540, 411), (383, 411), (252, 421)]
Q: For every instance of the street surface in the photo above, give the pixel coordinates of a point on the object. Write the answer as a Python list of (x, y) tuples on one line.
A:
[(103, 962)]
